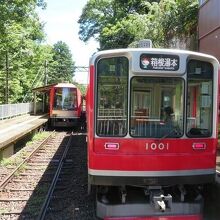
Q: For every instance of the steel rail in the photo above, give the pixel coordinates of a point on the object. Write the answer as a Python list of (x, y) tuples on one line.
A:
[(46, 203), (8, 177)]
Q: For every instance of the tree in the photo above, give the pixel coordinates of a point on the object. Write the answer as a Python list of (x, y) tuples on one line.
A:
[(61, 67), (116, 23), (19, 20), (20, 33), (172, 22), (99, 16), (81, 87), (22, 54)]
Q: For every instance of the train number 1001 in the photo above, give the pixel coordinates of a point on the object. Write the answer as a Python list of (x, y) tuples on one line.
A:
[(157, 146)]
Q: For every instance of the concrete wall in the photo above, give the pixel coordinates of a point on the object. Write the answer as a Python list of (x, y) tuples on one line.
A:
[(209, 28)]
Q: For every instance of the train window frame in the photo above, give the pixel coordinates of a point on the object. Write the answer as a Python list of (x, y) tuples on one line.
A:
[(197, 134), (167, 135), (97, 98)]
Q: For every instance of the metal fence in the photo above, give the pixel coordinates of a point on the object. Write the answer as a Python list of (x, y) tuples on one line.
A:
[(12, 110)]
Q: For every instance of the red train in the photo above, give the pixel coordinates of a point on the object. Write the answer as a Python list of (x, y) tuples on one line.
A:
[(65, 108), (152, 125)]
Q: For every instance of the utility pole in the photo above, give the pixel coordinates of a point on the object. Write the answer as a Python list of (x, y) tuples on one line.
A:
[(45, 83), (45, 72), (6, 77)]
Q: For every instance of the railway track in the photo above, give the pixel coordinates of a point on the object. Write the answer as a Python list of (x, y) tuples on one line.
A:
[(9, 165), (63, 161), (18, 162), (27, 191), (70, 199)]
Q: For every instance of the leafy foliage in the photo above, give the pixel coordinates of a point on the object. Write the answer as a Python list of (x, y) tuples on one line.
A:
[(61, 67), (81, 87), (118, 24), (22, 54), (103, 19)]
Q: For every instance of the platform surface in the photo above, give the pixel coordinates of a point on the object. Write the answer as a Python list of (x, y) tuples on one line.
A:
[(14, 128)]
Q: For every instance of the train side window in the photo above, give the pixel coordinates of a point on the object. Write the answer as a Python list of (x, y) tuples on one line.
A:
[(111, 97), (199, 98)]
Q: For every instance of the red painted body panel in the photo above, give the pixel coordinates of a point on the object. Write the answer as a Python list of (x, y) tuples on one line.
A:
[(182, 217), (90, 109), (132, 155), (79, 102), (218, 104), (156, 157), (51, 100)]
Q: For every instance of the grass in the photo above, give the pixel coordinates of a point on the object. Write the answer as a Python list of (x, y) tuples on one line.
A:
[(2, 211), (40, 136), (17, 158), (21, 169), (6, 162)]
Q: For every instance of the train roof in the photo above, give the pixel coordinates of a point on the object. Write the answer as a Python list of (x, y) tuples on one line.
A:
[(150, 50), (68, 85), (43, 89)]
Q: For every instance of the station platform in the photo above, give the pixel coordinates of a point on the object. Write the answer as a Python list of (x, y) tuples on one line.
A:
[(15, 128)]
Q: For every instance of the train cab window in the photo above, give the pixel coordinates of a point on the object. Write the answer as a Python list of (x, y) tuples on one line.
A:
[(65, 99), (112, 86), (156, 107), (199, 98)]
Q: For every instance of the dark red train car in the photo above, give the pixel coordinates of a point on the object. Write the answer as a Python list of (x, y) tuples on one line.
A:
[(152, 124), (65, 107)]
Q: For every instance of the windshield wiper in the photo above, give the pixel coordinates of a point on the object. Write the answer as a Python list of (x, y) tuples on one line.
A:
[(177, 131)]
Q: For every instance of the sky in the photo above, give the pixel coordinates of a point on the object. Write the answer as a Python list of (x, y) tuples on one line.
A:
[(60, 18)]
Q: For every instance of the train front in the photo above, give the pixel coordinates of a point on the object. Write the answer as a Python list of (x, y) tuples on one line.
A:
[(65, 105), (152, 121)]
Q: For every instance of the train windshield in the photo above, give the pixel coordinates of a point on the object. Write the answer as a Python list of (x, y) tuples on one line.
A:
[(65, 99), (156, 107), (153, 107), (200, 98)]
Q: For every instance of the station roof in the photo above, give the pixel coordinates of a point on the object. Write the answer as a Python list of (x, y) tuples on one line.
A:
[(44, 89)]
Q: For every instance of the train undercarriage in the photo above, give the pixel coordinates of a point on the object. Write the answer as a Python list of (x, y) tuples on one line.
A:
[(150, 202), (64, 122)]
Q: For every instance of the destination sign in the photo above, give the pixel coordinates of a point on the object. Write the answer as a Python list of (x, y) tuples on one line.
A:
[(159, 62)]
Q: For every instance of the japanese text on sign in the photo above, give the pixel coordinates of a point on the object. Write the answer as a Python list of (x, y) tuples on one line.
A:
[(159, 62)]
